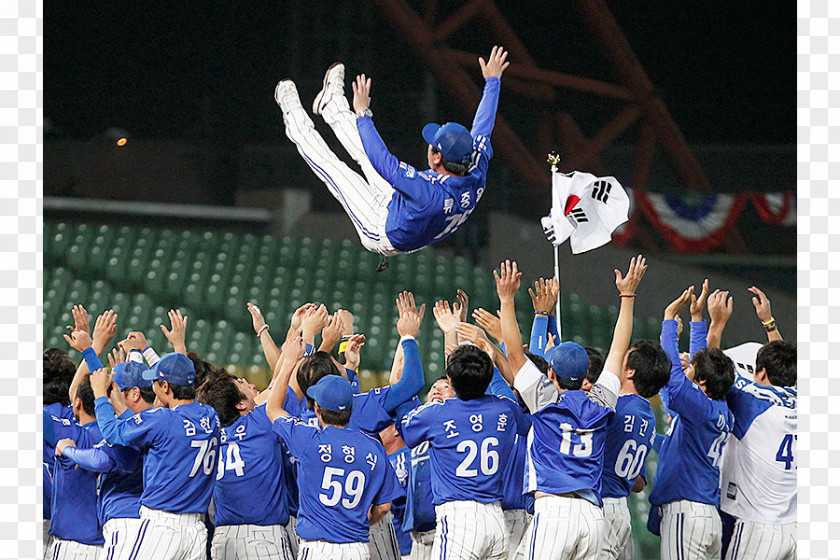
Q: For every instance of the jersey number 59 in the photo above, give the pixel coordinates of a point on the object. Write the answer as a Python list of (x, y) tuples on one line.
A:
[(353, 487)]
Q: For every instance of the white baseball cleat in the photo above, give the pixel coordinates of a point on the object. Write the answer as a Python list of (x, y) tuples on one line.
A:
[(286, 96), (333, 84)]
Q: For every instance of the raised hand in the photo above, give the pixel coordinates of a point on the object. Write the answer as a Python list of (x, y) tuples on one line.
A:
[(257, 318), (332, 333), (361, 94), (496, 63), (492, 324), (761, 304), (627, 284), (473, 333), (104, 330), (410, 317), (178, 335), (507, 280), (463, 304), (720, 307), (446, 318), (697, 303), (100, 380), (81, 319), (348, 319), (297, 317), (352, 352), (116, 356), (79, 340), (135, 340), (294, 349), (314, 321), (677, 305), (543, 297)]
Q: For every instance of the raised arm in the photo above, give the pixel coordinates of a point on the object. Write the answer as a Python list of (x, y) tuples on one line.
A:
[(762, 310), (177, 336), (491, 324), (408, 327), (485, 115), (447, 320), (269, 347), (627, 286), (669, 341), (115, 431), (697, 327), (507, 284), (103, 331), (720, 310), (385, 163), (137, 348), (332, 333), (543, 302), (314, 321), (292, 353)]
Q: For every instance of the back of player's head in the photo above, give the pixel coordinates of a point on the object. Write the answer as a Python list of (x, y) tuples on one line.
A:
[(470, 371), (716, 369), (651, 365), (85, 392), (778, 360), (570, 363), (58, 374), (334, 396), (538, 361), (222, 393), (596, 363), (203, 369), (312, 370)]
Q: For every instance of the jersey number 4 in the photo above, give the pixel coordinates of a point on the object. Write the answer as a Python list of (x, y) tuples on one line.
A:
[(489, 460), (785, 453), (353, 487)]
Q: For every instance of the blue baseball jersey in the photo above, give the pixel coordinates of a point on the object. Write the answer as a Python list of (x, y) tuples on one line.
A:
[(250, 482), (566, 445), (512, 479), (121, 487), (56, 410), (369, 414), (427, 207), (471, 442), (689, 462), (401, 463), (419, 510), (341, 473), (181, 447), (630, 436), (74, 490)]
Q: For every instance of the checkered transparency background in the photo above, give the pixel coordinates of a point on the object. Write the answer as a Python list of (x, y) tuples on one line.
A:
[(21, 332)]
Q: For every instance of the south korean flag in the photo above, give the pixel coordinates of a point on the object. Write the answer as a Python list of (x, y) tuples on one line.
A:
[(586, 209)]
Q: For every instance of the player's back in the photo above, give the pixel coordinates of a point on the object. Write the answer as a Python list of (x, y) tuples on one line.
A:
[(341, 472), (250, 481), (420, 512), (56, 410), (758, 482), (182, 452), (121, 488), (369, 414), (470, 441), (630, 435), (566, 448), (689, 461)]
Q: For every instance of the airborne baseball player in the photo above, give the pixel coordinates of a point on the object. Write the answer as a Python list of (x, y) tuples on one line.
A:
[(566, 444), (396, 208)]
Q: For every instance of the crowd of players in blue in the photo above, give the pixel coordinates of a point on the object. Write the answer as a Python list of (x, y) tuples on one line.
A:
[(519, 451)]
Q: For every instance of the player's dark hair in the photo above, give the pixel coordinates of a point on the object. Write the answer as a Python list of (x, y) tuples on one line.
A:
[(222, 393), (85, 392), (778, 360), (569, 384), (538, 361), (58, 374), (716, 369), (336, 417), (470, 371), (204, 369), (459, 169), (312, 369), (596, 363), (147, 394), (181, 392), (652, 366)]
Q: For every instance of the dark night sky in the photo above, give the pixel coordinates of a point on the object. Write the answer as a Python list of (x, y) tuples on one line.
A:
[(164, 69)]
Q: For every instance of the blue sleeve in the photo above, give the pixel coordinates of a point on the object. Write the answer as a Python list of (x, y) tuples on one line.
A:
[(485, 115), (391, 488), (308, 351), (93, 459), (523, 420), (697, 340), (684, 397), (552, 328), (744, 406), (353, 379), (92, 360), (499, 387), (666, 401), (412, 378), (404, 409), (56, 428), (295, 433), (139, 430), (658, 439), (539, 336), (385, 163), (417, 423)]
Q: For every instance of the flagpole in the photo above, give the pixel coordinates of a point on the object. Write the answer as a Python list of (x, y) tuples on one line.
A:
[(554, 159)]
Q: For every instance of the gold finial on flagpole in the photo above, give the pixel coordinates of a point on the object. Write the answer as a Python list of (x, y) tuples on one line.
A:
[(553, 159)]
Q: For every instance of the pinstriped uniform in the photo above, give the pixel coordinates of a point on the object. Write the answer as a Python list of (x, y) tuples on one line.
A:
[(564, 528), (421, 545), (120, 535), (250, 542), (365, 201), (291, 536), (383, 540), (617, 530), (61, 549), (468, 530), (169, 536), (517, 521), (764, 541), (323, 550), (690, 531)]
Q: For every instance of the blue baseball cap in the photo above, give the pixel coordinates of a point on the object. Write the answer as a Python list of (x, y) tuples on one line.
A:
[(131, 374), (332, 392), (173, 368), (569, 361), (452, 140)]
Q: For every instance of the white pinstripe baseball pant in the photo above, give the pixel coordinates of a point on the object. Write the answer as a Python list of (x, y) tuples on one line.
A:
[(617, 530), (292, 535), (468, 530), (690, 531), (516, 521), (62, 549), (365, 199), (250, 542), (323, 550), (120, 535), (383, 539), (421, 545), (170, 536), (753, 540), (564, 528)]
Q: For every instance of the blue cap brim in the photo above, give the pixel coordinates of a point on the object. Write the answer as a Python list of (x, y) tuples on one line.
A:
[(429, 132), (151, 374)]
